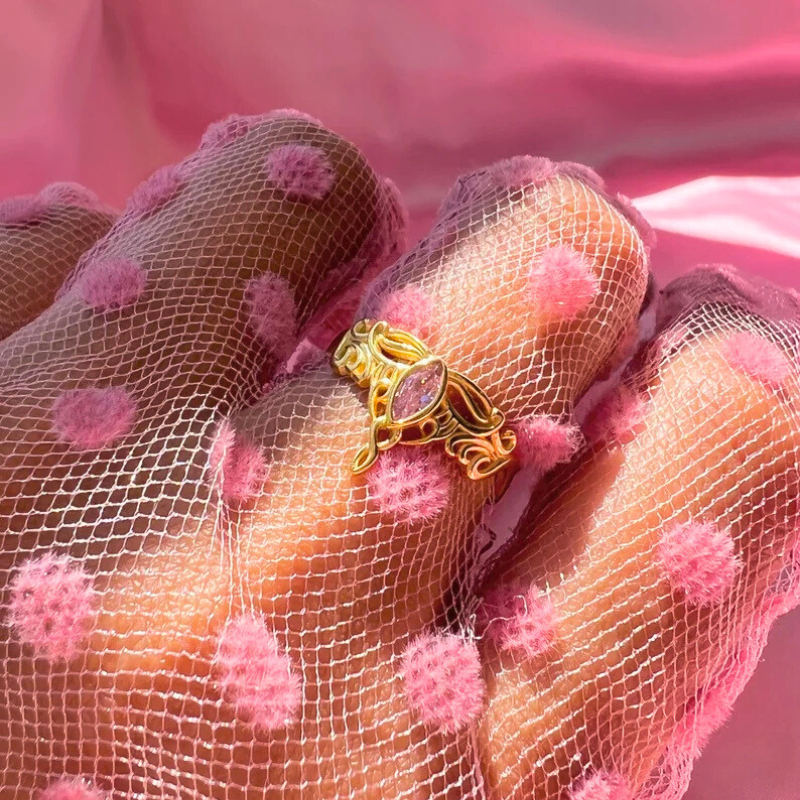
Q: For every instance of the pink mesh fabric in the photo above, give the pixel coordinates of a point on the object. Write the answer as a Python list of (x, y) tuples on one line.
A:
[(200, 599)]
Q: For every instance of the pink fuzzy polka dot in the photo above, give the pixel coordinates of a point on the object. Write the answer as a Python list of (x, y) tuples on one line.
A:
[(272, 313), (154, 193), (302, 171), (758, 358), (510, 175), (112, 283), (602, 786), (543, 442), (224, 131), (519, 619), (410, 309), (561, 283), (443, 680), (519, 172), (72, 194), (572, 169), (72, 789), (90, 419), (617, 417), (255, 674), (23, 209), (703, 716), (51, 606), (238, 464), (412, 485), (700, 561)]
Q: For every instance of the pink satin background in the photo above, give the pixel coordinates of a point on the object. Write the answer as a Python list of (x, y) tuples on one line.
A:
[(691, 106)]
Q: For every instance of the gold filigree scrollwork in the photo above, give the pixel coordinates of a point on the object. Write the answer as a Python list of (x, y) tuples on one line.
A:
[(415, 399)]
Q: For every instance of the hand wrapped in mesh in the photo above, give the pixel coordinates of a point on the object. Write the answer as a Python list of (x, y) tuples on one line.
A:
[(202, 600)]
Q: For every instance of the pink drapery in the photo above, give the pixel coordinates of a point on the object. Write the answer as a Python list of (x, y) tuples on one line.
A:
[(690, 106)]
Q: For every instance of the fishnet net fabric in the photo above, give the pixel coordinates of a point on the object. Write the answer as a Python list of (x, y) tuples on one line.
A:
[(183, 354), (39, 246), (641, 675), (342, 584), (228, 503)]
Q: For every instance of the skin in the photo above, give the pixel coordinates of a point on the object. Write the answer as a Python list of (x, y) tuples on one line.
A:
[(344, 585), (630, 650), (184, 352), (186, 355), (35, 258)]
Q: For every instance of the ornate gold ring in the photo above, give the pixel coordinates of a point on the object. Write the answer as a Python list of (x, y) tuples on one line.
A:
[(414, 399)]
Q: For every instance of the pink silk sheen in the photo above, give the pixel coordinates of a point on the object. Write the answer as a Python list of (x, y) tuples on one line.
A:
[(676, 102)]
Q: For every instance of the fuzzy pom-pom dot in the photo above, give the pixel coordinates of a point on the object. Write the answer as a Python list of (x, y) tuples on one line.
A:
[(602, 785), (410, 309), (617, 416), (561, 283), (22, 210), (519, 618), (543, 442), (224, 131), (411, 484), (699, 560), (255, 674), (272, 315), (703, 716), (72, 194), (72, 789), (238, 464), (520, 172), (109, 284), (510, 174), (573, 169), (443, 680), (90, 419), (303, 171), (758, 358), (51, 606), (156, 191)]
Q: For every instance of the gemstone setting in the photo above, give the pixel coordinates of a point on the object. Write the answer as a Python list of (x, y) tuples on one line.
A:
[(419, 391)]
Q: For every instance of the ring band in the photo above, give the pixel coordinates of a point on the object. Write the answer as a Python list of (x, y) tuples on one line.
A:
[(414, 399)]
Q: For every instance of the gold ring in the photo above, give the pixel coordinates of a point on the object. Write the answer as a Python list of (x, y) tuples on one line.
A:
[(414, 399)]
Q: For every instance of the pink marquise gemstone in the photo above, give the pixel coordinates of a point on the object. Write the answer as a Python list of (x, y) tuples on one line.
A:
[(417, 391)]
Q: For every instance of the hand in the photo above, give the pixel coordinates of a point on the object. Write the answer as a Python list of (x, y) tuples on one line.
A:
[(233, 613)]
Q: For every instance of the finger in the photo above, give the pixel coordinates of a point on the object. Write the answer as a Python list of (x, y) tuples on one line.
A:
[(41, 239), (660, 559), (187, 306), (348, 570), (195, 296)]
